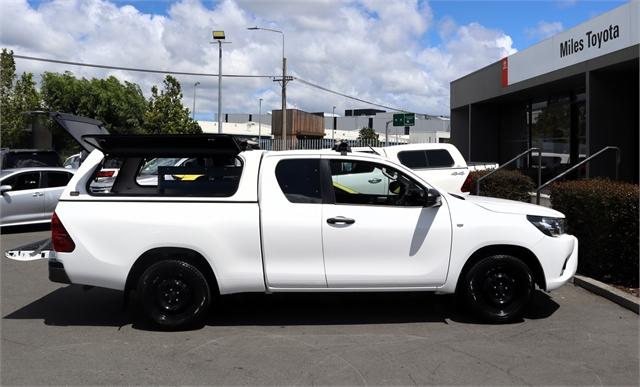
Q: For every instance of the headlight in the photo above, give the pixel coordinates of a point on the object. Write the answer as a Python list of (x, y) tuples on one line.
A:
[(549, 226)]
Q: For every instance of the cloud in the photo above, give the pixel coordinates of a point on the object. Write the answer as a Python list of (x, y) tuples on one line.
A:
[(543, 30), (371, 49)]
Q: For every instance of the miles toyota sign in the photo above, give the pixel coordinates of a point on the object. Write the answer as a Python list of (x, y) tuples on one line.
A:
[(609, 32)]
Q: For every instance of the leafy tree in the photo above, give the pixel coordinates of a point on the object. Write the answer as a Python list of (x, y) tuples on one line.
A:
[(16, 98), (369, 136), (120, 106), (165, 112)]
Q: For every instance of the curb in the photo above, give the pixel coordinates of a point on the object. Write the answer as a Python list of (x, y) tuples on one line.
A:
[(609, 292)]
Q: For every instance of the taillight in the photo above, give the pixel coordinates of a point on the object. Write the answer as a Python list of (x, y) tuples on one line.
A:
[(105, 173), (62, 242), (466, 186)]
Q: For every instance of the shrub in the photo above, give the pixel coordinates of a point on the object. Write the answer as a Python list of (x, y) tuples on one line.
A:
[(603, 215), (503, 184)]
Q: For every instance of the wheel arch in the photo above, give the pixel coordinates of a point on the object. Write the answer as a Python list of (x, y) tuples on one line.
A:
[(178, 253), (522, 253)]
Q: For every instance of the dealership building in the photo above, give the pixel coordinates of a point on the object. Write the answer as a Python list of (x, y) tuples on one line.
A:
[(570, 95)]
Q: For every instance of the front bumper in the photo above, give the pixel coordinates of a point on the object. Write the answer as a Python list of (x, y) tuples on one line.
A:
[(57, 272), (569, 269)]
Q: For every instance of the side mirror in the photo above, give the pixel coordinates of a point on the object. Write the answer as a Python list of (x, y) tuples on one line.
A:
[(421, 197), (432, 198), (5, 188)]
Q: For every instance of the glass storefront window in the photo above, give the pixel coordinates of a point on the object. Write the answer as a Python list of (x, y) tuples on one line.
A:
[(558, 128)]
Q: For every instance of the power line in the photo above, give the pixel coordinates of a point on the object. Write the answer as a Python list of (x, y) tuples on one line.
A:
[(358, 99), (305, 82), (139, 69), (346, 96)]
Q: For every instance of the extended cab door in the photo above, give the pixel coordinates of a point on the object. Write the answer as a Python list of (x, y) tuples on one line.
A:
[(290, 212), (381, 240)]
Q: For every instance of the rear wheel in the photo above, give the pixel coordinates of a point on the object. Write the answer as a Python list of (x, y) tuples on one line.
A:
[(174, 294), (498, 288)]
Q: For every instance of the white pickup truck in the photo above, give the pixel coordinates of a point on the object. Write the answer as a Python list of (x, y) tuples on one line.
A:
[(255, 221), (439, 163)]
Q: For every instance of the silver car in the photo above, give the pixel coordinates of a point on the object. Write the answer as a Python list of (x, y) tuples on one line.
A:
[(30, 195)]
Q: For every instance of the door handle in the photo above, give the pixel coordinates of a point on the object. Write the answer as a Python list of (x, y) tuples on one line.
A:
[(457, 173), (375, 180), (37, 194), (340, 219)]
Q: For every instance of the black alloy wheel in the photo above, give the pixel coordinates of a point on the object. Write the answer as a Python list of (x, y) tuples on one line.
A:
[(174, 294), (498, 288)]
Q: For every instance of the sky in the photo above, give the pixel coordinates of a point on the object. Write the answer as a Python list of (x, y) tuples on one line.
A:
[(401, 53)]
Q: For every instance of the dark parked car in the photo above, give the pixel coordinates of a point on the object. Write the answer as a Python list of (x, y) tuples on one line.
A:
[(24, 158)]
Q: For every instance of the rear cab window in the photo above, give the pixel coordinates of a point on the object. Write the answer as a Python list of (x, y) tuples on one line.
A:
[(299, 180), (421, 159), (171, 166)]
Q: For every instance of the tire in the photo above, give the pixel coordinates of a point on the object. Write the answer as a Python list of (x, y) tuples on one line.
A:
[(498, 288), (173, 294)]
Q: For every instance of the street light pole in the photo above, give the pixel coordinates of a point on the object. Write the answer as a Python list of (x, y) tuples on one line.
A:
[(193, 112), (219, 86), (284, 85), (333, 118), (386, 133), (218, 36)]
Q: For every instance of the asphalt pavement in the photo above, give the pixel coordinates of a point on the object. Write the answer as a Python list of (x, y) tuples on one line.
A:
[(66, 335)]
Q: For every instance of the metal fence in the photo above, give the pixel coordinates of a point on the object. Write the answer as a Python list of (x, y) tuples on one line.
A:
[(321, 143)]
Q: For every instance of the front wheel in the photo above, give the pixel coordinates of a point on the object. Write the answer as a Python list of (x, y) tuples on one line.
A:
[(173, 294), (498, 288)]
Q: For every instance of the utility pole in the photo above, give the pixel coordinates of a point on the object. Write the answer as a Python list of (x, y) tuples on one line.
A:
[(259, 120), (284, 98), (333, 119)]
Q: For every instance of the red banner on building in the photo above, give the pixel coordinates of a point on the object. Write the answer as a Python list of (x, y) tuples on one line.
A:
[(505, 72)]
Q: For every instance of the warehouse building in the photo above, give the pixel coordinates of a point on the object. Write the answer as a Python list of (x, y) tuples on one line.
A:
[(570, 95)]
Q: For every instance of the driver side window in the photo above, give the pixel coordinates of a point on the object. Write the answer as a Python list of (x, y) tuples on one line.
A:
[(367, 183)]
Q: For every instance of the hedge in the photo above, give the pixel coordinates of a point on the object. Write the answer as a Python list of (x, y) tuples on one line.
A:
[(503, 184), (603, 215)]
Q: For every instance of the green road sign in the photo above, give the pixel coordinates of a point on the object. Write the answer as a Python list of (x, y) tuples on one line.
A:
[(404, 119), (398, 119), (409, 119)]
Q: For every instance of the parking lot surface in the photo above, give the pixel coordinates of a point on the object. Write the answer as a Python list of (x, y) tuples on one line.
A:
[(59, 334)]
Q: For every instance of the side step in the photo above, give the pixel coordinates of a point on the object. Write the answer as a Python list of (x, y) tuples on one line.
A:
[(30, 252)]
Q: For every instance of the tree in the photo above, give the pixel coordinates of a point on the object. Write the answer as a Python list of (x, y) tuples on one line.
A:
[(120, 106), (165, 112), (16, 99), (369, 136)]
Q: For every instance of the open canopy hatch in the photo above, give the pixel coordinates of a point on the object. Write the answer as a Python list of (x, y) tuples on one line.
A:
[(78, 127), (165, 145)]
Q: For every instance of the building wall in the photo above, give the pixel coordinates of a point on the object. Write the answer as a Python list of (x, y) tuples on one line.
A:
[(460, 130), (613, 119)]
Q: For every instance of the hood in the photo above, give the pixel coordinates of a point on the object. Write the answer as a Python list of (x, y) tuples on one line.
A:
[(512, 206)]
